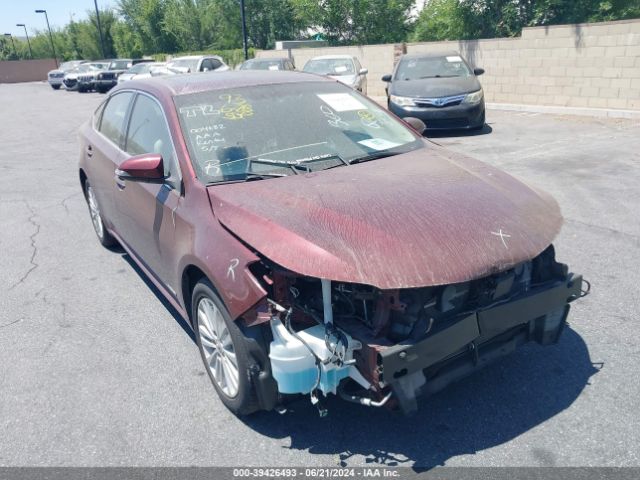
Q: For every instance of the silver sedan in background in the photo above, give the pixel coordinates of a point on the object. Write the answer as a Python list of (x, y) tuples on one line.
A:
[(139, 71), (344, 68)]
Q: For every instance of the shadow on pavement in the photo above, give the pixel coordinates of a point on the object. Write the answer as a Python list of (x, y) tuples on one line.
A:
[(177, 317), (458, 133), (490, 408)]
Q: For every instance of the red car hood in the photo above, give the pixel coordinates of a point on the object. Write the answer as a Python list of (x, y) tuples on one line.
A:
[(428, 217)]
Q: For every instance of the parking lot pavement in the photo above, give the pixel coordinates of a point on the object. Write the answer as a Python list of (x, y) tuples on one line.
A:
[(95, 370)]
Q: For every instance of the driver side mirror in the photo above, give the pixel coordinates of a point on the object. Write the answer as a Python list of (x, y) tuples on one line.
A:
[(386, 78), (416, 124), (145, 168), (363, 71), (478, 71)]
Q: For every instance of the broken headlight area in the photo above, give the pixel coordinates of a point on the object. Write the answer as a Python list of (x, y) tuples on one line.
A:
[(387, 347)]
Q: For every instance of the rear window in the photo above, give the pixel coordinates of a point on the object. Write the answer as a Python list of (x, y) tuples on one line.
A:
[(115, 112), (447, 66)]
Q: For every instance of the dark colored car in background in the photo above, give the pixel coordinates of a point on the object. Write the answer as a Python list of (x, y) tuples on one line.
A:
[(108, 79), (441, 89), (267, 64), (315, 243)]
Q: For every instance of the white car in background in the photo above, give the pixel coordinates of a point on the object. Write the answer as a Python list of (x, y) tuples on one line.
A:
[(70, 80), (55, 77), (141, 70), (344, 68), (196, 63)]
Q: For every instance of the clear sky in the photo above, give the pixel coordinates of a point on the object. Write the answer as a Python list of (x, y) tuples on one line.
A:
[(59, 12)]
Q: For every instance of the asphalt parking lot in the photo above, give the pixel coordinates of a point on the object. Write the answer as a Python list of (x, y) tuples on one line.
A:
[(95, 370)]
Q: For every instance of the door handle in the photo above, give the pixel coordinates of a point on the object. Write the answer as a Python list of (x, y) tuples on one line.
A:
[(89, 151), (120, 183)]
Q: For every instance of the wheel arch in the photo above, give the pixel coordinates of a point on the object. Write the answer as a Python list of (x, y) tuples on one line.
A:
[(191, 275)]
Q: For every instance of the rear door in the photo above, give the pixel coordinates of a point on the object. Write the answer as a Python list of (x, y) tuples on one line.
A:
[(103, 152), (148, 211)]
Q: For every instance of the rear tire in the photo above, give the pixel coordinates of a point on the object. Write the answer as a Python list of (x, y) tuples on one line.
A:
[(223, 349), (104, 237)]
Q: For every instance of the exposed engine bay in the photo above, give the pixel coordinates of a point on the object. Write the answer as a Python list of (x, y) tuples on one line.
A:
[(377, 347)]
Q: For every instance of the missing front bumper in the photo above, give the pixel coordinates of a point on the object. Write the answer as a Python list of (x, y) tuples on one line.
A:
[(475, 339)]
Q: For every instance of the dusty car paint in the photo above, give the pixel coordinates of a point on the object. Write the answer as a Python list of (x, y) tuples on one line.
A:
[(443, 219)]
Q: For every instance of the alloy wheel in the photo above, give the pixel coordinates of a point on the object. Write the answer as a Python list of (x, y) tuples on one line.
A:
[(94, 210), (217, 346)]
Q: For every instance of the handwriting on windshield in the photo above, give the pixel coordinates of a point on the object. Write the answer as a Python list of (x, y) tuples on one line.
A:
[(368, 119), (333, 118), (203, 109), (235, 107)]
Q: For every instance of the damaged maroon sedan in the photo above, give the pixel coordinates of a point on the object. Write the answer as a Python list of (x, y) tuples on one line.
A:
[(316, 243)]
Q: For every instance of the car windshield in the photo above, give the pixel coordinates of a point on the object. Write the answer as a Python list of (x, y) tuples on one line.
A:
[(119, 65), (261, 65), (284, 129), (330, 66), (84, 68), (190, 63), (68, 65), (447, 66), (142, 67), (98, 66)]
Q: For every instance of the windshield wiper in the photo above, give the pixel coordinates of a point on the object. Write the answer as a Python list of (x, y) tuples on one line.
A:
[(372, 156), (261, 176)]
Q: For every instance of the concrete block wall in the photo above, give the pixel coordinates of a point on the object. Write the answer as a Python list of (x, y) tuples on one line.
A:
[(593, 65)]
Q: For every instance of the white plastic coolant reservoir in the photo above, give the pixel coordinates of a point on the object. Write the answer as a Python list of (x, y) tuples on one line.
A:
[(294, 367)]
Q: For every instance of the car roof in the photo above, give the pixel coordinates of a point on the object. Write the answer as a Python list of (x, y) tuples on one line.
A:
[(442, 53), (331, 57), (183, 84), (266, 59), (194, 57)]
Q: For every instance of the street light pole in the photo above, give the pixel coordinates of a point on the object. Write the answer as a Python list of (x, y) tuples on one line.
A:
[(55, 57), (104, 55), (12, 43), (27, 34), (244, 31)]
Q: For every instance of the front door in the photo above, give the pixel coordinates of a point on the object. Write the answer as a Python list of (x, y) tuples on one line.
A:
[(148, 211)]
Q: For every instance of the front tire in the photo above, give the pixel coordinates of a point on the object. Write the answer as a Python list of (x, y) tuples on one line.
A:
[(55, 87), (104, 237), (223, 349)]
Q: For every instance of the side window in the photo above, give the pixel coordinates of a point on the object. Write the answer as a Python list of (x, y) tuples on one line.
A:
[(112, 124), (148, 132), (215, 64), (206, 63)]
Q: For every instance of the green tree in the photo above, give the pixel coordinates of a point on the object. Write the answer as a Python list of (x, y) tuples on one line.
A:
[(440, 20), (357, 21), (146, 18), (467, 19)]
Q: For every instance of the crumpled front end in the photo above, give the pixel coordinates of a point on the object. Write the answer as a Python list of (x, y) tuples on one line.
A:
[(388, 347)]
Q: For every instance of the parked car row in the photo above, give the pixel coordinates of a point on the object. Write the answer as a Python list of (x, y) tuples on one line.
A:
[(440, 89), (102, 75), (344, 68)]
